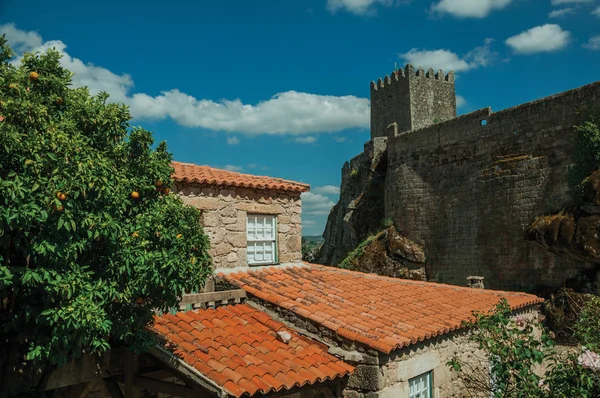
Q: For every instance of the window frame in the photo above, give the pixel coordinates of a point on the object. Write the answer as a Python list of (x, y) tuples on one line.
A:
[(429, 378), (275, 240)]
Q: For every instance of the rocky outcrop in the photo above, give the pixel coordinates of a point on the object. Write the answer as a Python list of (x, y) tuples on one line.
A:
[(388, 253), (360, 209), (574, 232)]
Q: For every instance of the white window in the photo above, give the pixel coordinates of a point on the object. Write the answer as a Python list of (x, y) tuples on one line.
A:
[(420, 386), (261, 233)]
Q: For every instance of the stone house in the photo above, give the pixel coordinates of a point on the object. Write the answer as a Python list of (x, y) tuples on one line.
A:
[(251, 220), (269, 325)]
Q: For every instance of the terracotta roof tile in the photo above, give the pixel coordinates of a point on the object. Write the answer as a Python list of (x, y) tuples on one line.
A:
[(187, 172), (249, 359), (380, 312)]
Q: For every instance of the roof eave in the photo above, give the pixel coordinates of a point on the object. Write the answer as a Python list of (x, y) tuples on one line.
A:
[(173, 361)]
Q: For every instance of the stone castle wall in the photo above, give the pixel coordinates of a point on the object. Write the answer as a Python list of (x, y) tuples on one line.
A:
[(467, 189), (224, 212), (412, 99)]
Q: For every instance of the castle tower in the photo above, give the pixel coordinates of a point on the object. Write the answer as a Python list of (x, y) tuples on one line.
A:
[(412, 99)]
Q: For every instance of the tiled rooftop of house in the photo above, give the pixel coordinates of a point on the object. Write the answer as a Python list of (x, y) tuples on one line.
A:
[(380, 312), (187, 172), (238, 348)]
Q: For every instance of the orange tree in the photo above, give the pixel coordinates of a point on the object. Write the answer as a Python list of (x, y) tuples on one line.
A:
[(91, 241)]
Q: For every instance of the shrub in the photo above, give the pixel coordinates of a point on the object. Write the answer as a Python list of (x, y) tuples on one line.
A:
[(586, 154), (515, 350)]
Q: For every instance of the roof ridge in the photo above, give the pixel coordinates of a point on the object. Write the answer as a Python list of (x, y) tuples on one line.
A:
[(190, 172), (414, 282)]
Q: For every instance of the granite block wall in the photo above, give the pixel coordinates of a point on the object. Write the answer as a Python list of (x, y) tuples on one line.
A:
[(467, 189), (224, 211)]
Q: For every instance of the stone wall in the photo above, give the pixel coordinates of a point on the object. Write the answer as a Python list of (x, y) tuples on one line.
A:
[(224, 212), (467, 189), (360, 208), (432, 355), (412, 99)]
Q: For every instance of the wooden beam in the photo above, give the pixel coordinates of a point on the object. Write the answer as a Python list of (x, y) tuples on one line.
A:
[(212, 297), (113, 388), (158, 374), (81, 390), (206, 387), (164, 387), (131, 368)]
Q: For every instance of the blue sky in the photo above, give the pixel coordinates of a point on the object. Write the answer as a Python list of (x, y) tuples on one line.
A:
[(281, 88)]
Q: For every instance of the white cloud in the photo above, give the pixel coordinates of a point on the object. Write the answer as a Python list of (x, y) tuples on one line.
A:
[(545, 38), (447, 60), (327, 190), (469, 8), (563, 12), (20, 40), (339, 139), (460, 101), (233, 140), (306, 140), (315, 204), (289, 112), (560, 2), (596, 12), (593, 44), (358, 7), (231, 167)]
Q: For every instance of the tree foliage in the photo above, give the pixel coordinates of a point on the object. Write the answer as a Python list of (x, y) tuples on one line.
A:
[(91, 241)]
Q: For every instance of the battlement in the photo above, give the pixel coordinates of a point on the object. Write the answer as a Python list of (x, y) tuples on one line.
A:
[(409, 72), (411, 98)]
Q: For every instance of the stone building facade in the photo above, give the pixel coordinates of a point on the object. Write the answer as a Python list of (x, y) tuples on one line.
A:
[(229, 201), (466, 188)]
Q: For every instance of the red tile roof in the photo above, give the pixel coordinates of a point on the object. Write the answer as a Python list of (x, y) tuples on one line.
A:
[(187, 172), (380, 312), (237, 347)]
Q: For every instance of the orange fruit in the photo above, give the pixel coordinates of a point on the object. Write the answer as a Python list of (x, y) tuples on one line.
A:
[(158, 183), (1, 118), (135, 195), (61, 196), (166, 191), (58, 208), (59, 100), (135, 235), (33, 76), (179, 236)]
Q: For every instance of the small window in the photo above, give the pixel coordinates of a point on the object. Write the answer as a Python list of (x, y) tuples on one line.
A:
[(483, 122), (420, 386), (261, 234)]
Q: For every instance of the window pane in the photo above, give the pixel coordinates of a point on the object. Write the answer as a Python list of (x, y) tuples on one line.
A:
[(260, 233), (419, 387)]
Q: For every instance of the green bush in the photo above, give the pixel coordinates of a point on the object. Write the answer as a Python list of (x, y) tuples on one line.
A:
[(91, 241), (586, 155), (515, 351)]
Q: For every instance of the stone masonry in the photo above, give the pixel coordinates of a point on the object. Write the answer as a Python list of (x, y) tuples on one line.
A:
[(224, 211), (467, 188), (412, 99)]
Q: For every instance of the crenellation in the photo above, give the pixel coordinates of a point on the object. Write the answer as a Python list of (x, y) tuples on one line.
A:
[(411, 98)]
